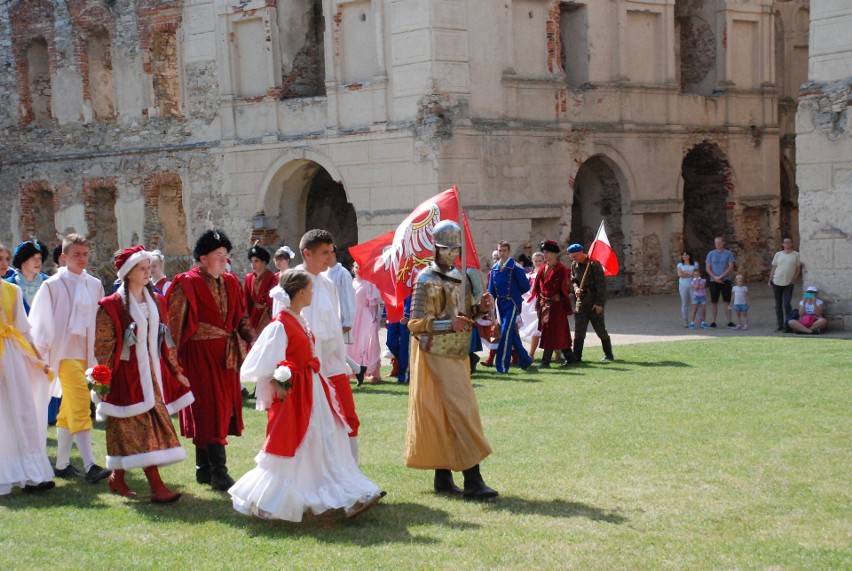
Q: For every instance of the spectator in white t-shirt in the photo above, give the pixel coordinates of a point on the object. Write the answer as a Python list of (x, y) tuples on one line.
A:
[(786, 267)]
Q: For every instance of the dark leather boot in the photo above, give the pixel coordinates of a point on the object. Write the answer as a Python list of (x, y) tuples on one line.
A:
[(545, 359), (570, 358), (220, 480), (444, 483), (607, 349), (474, 487), (474, 359), (202, 466), (578, 349), (360, 375)]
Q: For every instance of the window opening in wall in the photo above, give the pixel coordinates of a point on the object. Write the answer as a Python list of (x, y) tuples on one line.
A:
[(707, 183), (302, 37), (172, 219), (164, 72), (103, 234), (100, 76), (696, 48), (44, 222), (573, 35), (38, 80)]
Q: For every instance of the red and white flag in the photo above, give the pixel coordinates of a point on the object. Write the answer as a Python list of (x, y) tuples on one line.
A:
[(601, 250), (392, 261)]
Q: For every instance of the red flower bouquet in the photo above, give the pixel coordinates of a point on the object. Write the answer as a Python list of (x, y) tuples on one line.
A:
[(98, 379)]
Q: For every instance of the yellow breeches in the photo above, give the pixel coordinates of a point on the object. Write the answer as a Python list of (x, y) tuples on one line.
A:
[(74, 412)]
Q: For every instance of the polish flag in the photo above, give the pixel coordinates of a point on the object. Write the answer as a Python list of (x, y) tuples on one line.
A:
[(392, 261), (601, 250)]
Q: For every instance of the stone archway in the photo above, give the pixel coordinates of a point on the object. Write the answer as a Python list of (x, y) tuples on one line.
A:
[(306, 194), (598, 196), (707, 186)]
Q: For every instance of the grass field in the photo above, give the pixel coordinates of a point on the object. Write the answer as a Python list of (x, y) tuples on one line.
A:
[(730, 453)]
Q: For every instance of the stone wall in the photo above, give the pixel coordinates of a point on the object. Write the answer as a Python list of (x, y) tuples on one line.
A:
[(823, 150)]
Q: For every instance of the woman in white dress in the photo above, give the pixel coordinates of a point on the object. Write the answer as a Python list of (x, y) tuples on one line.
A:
[(529, 317), (24, 394), (306, 464)]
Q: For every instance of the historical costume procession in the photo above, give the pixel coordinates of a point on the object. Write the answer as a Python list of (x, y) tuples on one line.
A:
[(146, 382)]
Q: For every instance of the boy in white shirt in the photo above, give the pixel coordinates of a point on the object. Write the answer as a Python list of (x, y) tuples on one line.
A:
[(63, 328)]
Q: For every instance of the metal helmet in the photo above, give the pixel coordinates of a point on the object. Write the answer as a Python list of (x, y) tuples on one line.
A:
[(447, 234)]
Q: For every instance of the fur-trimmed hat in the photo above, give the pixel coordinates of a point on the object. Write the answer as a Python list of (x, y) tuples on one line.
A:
[(260, 253), (127, 259), (574, 248), (26, 250), (209, 241), (549, 246)]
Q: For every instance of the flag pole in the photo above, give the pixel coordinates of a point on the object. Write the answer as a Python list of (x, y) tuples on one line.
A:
[(589, 261), (463, 251)]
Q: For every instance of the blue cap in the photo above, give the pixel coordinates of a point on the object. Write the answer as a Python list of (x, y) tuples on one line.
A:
[(574, 248)]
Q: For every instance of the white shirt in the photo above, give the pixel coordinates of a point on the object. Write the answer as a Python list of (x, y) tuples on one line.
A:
[(785, 267), (323, 317), (342, 280), (51, 314)]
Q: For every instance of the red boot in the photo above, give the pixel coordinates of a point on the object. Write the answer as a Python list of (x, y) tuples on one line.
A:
[(489, 362), (394, 367), (160, 494), (118, 485)]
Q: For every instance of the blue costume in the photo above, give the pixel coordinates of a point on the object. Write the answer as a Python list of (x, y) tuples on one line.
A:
[(507, 284), (397, 343)]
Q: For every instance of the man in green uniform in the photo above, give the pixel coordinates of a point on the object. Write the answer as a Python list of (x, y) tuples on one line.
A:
[(591, 299)]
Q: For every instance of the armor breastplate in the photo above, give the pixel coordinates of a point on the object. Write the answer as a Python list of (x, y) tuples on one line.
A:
[(440, 293)]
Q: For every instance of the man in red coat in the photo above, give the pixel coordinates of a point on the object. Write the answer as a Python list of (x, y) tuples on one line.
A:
[(208, 321), (552, 287), (257, 286)]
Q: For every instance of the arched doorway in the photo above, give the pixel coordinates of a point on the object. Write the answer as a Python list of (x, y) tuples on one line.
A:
[(707, 184), (597, 196), (310, 197)]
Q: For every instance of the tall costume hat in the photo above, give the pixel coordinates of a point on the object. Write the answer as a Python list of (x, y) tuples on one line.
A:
[(26, 250), (209, 241), (260, 253), (549, 246), (127, 259)]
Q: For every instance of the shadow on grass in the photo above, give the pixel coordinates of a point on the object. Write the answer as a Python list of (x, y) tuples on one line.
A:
[(386, 523), (77, 494), (647, 363), (554, 508), (402, 391), (518, 376)]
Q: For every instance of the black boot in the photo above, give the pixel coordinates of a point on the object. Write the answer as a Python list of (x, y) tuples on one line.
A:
[(444, 483), (607, 349), (474, 487), (202, 466), (474, 359), (570, 359), (545, 359), (220, 480), (578, 350)]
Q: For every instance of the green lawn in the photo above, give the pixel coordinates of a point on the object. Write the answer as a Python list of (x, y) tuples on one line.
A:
[(724, 453)]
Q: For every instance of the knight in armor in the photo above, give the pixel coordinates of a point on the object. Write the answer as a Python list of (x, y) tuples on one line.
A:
[(444, 429)]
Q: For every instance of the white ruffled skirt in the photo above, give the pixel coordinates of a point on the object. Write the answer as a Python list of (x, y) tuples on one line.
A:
[(323, 474)]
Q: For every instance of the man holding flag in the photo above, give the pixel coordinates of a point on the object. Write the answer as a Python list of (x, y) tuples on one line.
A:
[(588, 273)]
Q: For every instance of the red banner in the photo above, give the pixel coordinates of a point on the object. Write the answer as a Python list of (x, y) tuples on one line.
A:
[(393, 260)]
